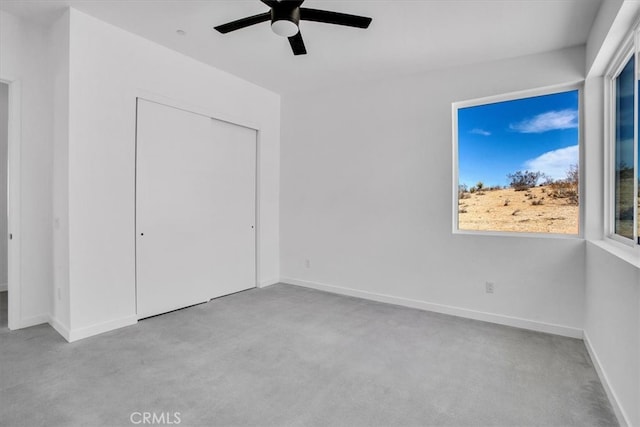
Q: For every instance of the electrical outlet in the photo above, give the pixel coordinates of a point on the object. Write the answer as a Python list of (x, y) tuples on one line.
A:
[(307, 263), (489, 287)]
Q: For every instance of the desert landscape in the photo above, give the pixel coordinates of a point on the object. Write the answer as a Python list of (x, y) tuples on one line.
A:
[(542, 209), (530, 208), (624, 208)]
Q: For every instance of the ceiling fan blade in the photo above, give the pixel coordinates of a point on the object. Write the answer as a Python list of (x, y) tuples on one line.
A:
[(244, 22), (336, 18), (269, 3), (297, 44)]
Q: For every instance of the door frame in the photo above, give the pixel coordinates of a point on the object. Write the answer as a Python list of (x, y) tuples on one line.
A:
[(14, 202), (215, 115)]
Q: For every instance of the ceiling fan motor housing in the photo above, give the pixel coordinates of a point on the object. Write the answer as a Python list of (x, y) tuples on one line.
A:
[(285, 20)]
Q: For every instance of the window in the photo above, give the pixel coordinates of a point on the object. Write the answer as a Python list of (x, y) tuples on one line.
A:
[(517, 163), (624, 168), (623, 102)]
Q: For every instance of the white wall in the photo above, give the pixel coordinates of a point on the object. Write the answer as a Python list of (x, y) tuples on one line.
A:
[(108, 68), (593, 164), (612, 325), (4, 141), (60, 309), (366, 197), (612, 294), (600, 36), (24, 57)]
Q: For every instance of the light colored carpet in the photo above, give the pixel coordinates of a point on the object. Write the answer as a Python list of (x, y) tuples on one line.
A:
[(286, 355), (3, 309)]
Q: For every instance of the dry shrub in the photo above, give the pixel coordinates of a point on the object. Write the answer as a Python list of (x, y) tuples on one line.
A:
[(523, 180), (564, 190)]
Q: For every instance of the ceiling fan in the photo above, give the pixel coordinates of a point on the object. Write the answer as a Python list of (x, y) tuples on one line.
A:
[(285, 16)]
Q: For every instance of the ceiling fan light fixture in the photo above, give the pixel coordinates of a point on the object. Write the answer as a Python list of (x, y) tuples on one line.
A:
[(284, 28), (285, 16)]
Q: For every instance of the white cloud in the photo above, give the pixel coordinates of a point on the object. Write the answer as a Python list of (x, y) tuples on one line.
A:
[(554, 163), (551, 120), (482, 132)]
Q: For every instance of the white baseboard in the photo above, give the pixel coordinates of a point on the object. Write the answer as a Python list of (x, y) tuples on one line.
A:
[(59, 327), (4, 287), (265, 283), (517, 322), (623, 420), (99, 328)]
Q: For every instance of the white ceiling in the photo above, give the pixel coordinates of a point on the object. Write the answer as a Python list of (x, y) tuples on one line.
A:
[(406, 36)]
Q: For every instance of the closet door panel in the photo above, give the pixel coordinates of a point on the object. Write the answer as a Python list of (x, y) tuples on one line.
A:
[(235, 185), (191, 198)]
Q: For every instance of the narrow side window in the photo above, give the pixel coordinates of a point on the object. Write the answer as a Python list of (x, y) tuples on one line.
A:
[(624, 173)]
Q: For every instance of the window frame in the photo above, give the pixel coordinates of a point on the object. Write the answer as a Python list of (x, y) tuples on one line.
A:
[(628, 48), (512, 96)]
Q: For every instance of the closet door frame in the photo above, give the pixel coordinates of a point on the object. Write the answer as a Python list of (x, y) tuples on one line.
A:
[(215, 115)]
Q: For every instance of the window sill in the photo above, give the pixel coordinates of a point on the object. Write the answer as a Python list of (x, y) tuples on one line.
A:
[(626, 253), (517, 234)]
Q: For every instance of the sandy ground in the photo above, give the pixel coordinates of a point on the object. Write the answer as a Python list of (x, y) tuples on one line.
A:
[(624, 226), (510, 210)]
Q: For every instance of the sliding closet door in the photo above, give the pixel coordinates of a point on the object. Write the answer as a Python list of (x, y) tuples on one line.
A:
[(195, 208), (234, 216)]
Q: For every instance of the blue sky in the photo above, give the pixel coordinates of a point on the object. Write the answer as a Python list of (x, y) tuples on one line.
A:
[(624, 115), (537, 134)]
